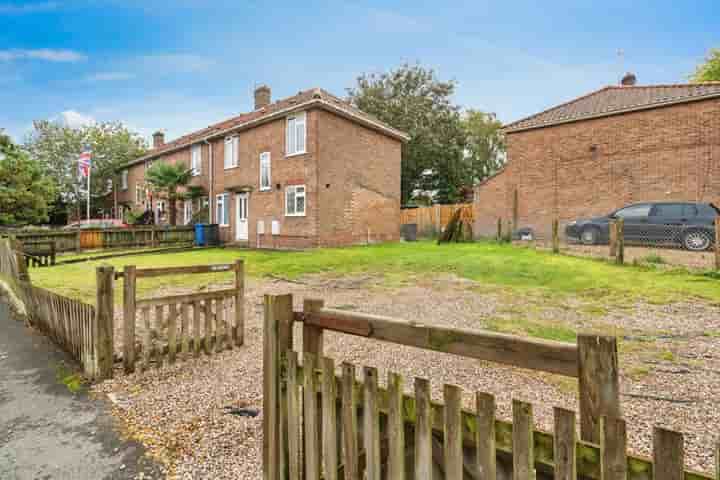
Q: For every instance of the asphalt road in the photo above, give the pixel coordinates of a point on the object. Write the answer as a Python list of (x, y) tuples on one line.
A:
[(46, 431)]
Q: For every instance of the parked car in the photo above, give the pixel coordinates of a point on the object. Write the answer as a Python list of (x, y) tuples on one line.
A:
[(685, 224), (97, 223)]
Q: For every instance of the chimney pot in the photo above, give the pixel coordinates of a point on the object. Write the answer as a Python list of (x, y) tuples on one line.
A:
[(158, 139), (628, 80), (262, 97)]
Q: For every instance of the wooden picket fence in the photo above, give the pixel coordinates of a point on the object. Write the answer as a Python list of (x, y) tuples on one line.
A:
[(180, 325), (319, 425), (433, 219), (106, 238), (74, 326)]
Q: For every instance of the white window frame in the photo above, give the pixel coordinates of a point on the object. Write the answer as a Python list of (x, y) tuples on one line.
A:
[(196, 159), (232, 152), (265, 163), (303, 195), (124, 179), (294, 124), (138, 193), (188, 211), (222, 209)]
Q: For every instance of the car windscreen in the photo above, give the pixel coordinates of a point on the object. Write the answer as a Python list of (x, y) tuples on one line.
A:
[(633, 211)]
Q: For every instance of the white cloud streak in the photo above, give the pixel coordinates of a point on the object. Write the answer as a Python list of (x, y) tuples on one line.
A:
[(27, 8), (44, 54)]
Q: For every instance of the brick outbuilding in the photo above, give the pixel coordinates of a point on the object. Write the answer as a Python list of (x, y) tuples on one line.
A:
[(308, 170), (615, 146)]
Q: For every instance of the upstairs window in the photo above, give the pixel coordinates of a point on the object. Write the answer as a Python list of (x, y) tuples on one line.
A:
[(295, 201), (232, 150), (196, 160), (139, 191), (265, 182), (124, 180), (295, 134)]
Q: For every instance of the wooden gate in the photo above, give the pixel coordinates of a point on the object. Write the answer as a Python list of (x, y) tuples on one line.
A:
[(319, 425), (183, 325)]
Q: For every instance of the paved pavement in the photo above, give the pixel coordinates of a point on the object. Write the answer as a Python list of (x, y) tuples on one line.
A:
[(47, 432)]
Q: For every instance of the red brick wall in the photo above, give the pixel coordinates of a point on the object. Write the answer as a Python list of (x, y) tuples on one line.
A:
[(359, 183), (351, 176), (664, 154)]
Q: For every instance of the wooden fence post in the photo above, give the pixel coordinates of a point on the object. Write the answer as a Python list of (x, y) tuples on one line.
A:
[(499, 230), (104, 318), (239, 330), (277, 340), (53, 252), (620, 232), (599, 384), (129, 315), (613, 238), (555, 236), (313, 343), (515, 209), (717, 243), (78, 242)]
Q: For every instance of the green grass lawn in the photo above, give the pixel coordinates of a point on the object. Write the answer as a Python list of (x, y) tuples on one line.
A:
[(516, 269)]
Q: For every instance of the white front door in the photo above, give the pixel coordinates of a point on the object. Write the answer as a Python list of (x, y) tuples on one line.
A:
[(241, 216)]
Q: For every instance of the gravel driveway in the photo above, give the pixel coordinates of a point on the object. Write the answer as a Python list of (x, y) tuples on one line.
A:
[(670, 362)]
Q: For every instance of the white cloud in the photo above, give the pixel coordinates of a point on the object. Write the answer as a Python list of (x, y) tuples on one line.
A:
[(110, 76), (27, 8), (46, 54), (75, 119)]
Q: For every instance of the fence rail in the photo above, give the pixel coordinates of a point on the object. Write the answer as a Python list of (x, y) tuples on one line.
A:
[(183, 325), (433, 219), (320, 425), (88, 239)]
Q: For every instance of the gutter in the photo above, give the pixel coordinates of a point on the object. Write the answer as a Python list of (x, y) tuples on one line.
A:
[(666, 103), (391, 132)]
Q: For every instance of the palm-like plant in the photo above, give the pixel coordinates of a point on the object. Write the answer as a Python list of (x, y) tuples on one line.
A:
[(167, 178)]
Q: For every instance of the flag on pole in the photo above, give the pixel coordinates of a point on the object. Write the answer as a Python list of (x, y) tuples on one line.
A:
[(84, 162)]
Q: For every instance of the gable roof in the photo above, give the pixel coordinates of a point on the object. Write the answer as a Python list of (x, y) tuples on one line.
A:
[(614, 100), (315, 97)]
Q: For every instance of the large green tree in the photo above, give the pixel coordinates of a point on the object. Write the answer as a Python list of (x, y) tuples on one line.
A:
[(57, 147), (485, 147), (165, 179), (709, 71), (24, 190), (411, 98)]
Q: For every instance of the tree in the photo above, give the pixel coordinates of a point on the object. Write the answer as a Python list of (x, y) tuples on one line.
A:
[(413, 100), (57, 148), (166, 178), (485, 147), (710, 70), (24, 191)]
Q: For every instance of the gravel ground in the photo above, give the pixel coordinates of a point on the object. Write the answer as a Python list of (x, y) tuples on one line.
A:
[(670, 370)]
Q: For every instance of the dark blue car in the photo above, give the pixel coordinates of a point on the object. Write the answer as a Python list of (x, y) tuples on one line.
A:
[(685, 224)]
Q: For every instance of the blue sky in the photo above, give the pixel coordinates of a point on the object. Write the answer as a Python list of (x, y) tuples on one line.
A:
[(181, 65)]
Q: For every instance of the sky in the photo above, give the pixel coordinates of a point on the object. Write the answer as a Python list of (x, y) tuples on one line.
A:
[(184, 64)]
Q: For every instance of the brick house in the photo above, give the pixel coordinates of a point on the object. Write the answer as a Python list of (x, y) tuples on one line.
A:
[(615, 146), (308, 170)]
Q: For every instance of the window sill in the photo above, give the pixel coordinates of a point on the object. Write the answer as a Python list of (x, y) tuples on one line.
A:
[(295, 215), (266, 189), (230, 168), (288, 155)]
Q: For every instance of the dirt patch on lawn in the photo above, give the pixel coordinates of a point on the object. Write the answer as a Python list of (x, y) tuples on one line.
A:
[(670, 363)]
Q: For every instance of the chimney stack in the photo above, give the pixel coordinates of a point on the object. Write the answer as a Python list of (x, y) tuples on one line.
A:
[(262, 97), (628, 80), (158, 139)]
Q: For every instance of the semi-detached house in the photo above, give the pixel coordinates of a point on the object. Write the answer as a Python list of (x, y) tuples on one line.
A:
[(308, 170)]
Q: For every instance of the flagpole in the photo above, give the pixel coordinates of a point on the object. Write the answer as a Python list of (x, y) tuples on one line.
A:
[(88, 192)]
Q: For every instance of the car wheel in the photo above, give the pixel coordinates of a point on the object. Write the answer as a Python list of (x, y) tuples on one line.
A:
[(589, 236), (696, 240)]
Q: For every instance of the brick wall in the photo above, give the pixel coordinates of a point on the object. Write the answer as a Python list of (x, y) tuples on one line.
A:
[(351, 176), (592, 167)]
